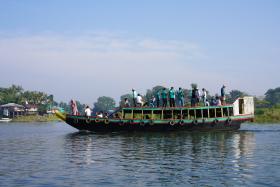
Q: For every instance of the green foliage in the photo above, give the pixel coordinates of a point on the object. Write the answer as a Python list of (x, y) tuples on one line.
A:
[(104, 104), (128, 96), (234, 94), (273, 96), (36, 118), (193, 85), (267, 115)]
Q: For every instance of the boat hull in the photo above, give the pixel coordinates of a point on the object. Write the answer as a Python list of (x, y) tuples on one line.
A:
[(113, 125)]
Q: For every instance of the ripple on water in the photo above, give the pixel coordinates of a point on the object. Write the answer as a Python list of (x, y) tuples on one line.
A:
[(54, 155)]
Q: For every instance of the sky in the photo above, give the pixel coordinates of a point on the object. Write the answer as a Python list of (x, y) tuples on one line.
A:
[(88, 48)]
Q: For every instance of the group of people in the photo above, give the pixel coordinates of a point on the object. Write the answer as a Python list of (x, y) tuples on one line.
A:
[(163, 98), (171, 97), (87, 111)]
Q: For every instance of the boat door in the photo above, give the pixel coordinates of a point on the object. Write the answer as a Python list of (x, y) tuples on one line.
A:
[(241, 106)]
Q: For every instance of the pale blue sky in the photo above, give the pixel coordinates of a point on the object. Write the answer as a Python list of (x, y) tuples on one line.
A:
[(63, 47)]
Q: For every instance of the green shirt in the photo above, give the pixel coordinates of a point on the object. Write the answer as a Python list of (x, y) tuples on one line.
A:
[(172, 94), (164, 94), (181, 94)]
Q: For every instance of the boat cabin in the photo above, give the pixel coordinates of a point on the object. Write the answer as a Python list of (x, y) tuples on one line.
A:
[(240, 107)]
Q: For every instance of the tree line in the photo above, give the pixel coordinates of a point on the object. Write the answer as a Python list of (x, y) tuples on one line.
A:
[(16, 94)]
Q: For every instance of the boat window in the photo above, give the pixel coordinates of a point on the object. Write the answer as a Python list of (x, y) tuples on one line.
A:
[(167, 114), (185, 114), (157, 114), (191, 114), (212, 113), (198, 113), (137, 114), (177, 114), (127, 114), (205, 113), (230, 109), (225, 111), (147, 114), (219, 112)]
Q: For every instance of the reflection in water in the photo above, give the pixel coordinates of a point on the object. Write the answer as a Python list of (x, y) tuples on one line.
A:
[(196, 158)]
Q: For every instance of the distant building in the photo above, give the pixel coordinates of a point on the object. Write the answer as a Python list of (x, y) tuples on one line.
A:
[(12, 110), (30, 109)]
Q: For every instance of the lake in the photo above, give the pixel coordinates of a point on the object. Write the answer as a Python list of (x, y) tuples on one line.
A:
[(54, 154)]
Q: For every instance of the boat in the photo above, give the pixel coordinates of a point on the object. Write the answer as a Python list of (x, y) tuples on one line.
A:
[(5, 119), (218, 118)]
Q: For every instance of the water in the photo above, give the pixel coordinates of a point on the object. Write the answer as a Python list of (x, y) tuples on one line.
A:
[(53, 154)]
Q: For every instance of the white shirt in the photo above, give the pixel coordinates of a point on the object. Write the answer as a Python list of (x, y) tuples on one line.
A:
[(88, 112), (204, 94), (134, 94), (139, 99)]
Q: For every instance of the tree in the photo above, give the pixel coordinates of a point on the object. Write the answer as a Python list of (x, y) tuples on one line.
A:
[(273, 96), (128, 96), (234, 94), (104, 104)]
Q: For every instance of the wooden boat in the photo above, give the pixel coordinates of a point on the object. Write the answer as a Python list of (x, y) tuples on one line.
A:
[(227, 117), (5, 119)]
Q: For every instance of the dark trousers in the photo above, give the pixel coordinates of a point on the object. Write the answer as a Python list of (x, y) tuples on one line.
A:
[(158, 102), (172, 102), (164, 102), (134, 102)]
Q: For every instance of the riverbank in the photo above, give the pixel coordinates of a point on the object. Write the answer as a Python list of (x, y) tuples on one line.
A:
[(36, 118), (267, 115)]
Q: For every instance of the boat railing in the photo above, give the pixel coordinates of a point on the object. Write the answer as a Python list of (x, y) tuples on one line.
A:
[(178, 113)]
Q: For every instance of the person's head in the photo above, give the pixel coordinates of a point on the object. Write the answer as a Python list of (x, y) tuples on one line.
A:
[(203, 89), (171, 88), (125, 99), (133, 90), (224, 86), (87, 106), (101, 112), (163, 88), (180, 88), (138, 94)]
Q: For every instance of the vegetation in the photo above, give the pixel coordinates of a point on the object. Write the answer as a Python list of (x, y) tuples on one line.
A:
[(267, 108), (268, 115), (36, 118)]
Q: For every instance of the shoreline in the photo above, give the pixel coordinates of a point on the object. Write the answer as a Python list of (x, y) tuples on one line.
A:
[(36, 118)]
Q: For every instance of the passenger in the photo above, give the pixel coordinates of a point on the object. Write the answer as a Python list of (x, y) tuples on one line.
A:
[(139, 100), (153, 102), (172, 97), (197, 96), (218, 101), (206, 103), (74, 108), (100, 114), (181, 97), (223, 95), (126, 102), (164, 97), (158, 98), (87, 112), (134, 97), (204, 96), (193, 97), (106, 115)]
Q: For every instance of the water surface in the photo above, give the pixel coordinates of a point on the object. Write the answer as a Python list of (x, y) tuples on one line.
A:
[(54, 154)]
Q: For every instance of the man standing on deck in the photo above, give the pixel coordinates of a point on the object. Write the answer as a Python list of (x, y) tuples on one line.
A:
[(158, 98), (172, 97), (134, 97), (223, 95), (181, 97), (164, 97), (204, 96)]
